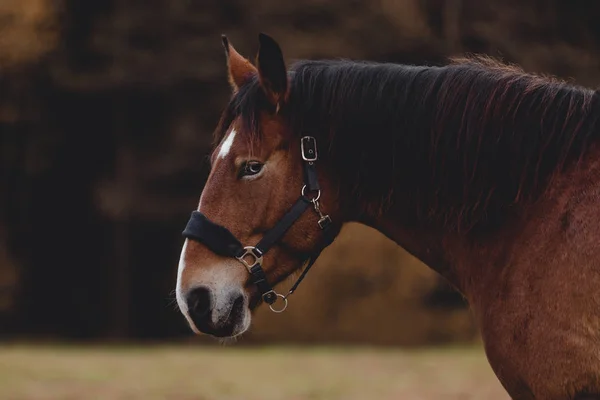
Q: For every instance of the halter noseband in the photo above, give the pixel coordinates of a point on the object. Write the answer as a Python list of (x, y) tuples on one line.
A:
[(222, 242)]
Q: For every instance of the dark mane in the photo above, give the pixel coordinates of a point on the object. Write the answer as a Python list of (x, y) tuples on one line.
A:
[(458, 144)]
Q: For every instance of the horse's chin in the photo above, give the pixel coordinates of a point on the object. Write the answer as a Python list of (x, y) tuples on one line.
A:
[(224, 334)]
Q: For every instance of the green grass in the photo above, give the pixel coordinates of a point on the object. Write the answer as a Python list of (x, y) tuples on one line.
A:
[(231, 373)]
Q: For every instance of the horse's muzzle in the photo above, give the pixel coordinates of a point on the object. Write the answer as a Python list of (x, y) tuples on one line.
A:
[(212, 318)]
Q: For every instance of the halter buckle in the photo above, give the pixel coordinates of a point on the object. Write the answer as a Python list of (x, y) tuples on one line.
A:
[(308, 145), (254, 253), (270, 297)]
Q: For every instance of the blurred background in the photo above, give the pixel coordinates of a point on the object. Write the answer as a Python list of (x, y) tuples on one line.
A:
[(107, 108)]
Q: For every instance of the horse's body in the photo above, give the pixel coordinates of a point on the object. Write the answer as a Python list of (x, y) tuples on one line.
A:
[(488, 175), (533, 287)]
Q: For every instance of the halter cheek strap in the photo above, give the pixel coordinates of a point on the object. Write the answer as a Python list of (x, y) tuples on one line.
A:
[(222, 242)]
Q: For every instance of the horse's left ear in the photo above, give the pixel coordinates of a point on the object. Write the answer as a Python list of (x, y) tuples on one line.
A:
[(272, 71)]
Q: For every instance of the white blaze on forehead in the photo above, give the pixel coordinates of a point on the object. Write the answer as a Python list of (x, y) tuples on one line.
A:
[(226, 146)]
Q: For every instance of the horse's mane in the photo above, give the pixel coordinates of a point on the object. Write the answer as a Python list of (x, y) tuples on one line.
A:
[(458, 144)]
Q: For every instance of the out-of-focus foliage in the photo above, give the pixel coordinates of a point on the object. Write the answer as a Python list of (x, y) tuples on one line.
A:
[(27, 31), (106, 114)]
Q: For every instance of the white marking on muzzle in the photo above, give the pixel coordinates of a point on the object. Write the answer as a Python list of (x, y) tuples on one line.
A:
[(224, 280), (178, 288), (179, 291)]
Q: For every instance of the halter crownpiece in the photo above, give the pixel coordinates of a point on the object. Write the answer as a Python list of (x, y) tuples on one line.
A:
[(222, 242)]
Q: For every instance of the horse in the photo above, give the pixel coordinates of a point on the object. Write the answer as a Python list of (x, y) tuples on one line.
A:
[(488, 174)]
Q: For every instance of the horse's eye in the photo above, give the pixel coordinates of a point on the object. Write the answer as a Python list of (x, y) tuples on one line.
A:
[(251, 168)]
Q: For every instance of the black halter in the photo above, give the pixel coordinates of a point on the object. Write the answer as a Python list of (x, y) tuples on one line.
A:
[(222, 242)]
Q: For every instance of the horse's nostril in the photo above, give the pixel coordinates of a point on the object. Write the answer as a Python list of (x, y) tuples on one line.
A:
[(198, 301)]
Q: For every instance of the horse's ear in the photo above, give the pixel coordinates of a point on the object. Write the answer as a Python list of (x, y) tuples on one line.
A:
[(272, 71), (240, 69)]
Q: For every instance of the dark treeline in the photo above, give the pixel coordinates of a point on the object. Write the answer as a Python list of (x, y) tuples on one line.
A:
[(106, 114)]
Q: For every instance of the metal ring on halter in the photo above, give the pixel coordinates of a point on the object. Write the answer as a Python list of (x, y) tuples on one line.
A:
[(285, 304), (313, 199)]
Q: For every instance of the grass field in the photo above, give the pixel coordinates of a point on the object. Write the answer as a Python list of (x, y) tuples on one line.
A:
[(231, 373)]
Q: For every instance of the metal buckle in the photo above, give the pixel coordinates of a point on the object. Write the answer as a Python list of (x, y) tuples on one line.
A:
[(256, 258), (309, 151)]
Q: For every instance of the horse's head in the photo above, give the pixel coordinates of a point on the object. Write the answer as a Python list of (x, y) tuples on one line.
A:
[(262, 213)]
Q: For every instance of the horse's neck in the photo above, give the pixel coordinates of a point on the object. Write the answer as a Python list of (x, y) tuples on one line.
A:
[(474, 259), (437, 249)]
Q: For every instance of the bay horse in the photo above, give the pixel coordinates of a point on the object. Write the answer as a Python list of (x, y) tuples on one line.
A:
[(487, 174)]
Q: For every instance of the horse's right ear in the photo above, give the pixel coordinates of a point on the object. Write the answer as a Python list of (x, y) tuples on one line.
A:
[(240, 69), (272, 72)]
